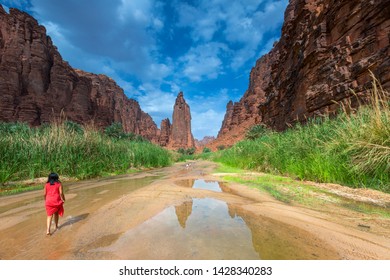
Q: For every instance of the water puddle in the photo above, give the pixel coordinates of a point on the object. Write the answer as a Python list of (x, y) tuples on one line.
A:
[(24, 218), (198, 228), (213, 229), (207, 185), (201, 184)]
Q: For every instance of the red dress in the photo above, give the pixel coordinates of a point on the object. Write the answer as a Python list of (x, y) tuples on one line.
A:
[(53, 202)]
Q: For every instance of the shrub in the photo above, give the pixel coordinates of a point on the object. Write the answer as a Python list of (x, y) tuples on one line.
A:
[(221, 147), (115, 130), (256, 131)]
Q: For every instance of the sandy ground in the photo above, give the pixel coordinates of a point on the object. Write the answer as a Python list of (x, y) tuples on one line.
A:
[(121, 217)]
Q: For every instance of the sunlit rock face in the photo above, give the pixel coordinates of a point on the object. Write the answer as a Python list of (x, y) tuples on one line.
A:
[(181, 134), (37, 86), (327, 48)]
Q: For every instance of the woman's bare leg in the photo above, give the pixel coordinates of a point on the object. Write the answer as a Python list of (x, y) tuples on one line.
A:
[(48, 224), (56, 219)]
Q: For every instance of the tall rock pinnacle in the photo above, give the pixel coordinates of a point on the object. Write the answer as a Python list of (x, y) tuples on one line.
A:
[(181, 135)]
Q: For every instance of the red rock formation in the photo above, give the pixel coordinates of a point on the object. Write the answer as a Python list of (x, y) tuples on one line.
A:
[(206, 140), (36, 85), (326, 49), (165, 133), (181, 134)]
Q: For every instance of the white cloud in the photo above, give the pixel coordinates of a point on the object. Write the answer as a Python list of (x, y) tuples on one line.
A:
[(203, 61), (158, 71), (122, 33), (12, 3), (206, 123), (156, 102), (138, 44), (242, 25), (268, 46), (207, 112), (134, 9)]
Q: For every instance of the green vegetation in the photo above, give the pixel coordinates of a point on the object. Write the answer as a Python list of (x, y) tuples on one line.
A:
[(290, 191), (73, 151), (184, 154), (221, 147), (15, 189), (189, 151), (222, 168), (115, 131), (256, 132), (351, 149)]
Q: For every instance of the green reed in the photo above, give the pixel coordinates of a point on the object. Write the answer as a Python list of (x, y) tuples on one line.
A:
[(351, 149), (27, 153)]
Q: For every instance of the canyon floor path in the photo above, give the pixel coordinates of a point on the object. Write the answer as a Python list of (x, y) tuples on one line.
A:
[(188, 211)]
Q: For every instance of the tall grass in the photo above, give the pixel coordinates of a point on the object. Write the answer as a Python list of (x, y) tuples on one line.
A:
[(71, 151), (351, 149)]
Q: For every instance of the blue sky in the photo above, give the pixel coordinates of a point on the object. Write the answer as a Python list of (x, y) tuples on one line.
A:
[(153, 49)]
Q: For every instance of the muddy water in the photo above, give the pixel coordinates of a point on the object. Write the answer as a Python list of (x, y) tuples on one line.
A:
[(197, 228), (23, 217), (208, 228)]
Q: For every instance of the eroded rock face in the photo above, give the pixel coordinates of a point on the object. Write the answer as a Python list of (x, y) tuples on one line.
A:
[(165, 133), (37, 85), (327, 47), (181, 134), (203, 142)]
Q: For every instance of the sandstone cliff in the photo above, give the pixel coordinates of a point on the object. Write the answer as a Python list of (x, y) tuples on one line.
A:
[(165, 133), (203, 142), (327, 47), (181, 134), (36, 84)]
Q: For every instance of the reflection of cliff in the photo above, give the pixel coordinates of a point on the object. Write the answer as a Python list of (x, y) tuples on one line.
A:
[(225, 188), (188, 183), (183, 211), (276, 240)]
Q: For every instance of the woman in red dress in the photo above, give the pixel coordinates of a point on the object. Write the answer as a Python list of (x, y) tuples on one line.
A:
[(54, 200)]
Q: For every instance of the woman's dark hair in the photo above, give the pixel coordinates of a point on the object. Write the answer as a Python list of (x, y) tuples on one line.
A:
[(53, 177)]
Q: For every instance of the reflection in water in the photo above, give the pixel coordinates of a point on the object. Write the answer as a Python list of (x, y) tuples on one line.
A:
[(204, 228), (213, 229), (201, 184), (183, 211), (209, 233), (207, 185)]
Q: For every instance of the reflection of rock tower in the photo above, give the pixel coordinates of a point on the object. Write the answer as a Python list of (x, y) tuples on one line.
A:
[(183, 211), (181, 135)]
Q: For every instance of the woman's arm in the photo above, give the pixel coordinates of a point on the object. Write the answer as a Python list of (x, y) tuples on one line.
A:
[(62, 193)]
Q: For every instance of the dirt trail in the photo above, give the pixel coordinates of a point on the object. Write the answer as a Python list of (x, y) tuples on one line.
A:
[(160, 215)]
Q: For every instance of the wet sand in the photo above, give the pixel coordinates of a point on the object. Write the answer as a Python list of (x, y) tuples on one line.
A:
[(186, 213)]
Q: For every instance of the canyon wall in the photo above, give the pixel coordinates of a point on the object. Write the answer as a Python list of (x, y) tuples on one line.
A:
[(327, 48), (37, 85)]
